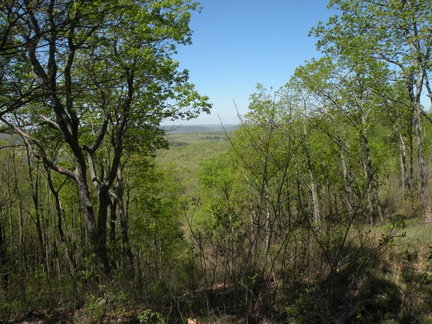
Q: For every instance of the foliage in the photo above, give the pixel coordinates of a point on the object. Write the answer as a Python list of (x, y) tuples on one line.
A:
[(286, 208), (310, 212), (102, 81)]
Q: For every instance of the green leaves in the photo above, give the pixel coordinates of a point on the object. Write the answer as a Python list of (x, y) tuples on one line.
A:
[(91, 81)]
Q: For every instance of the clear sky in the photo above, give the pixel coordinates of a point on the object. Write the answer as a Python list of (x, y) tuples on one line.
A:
[(240, 43)]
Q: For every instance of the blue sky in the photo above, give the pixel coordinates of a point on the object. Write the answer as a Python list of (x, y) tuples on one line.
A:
[(239, 43)]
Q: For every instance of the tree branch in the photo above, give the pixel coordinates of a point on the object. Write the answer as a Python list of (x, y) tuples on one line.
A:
[(30, 140)]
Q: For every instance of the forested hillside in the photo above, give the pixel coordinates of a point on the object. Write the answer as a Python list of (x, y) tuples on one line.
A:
[(314, 209)]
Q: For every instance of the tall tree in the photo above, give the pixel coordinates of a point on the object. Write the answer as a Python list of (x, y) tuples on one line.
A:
[(393, 31), (345, 95), (92, 73)]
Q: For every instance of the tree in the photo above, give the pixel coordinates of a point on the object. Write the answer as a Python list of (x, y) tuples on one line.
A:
[(347, 94), (99, 75), (392, 31), (287, 204)]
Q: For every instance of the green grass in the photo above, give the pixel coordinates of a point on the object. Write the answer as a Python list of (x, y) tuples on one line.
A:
[(418, 231), (186, 153)]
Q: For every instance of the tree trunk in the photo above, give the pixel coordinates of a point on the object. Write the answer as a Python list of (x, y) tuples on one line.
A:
[(87, 210), (124, 223), (416, 82), (101, 248), (370, 178), (347, 182), (3, 254), (406, 180), (424, 183)]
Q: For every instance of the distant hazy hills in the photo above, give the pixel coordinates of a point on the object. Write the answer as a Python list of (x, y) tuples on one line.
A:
[(187, 129)]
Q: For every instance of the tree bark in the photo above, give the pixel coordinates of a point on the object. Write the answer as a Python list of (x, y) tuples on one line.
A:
[(406, 180), (415, 88), (424, 183), (313, 188), (371, 184), (124, 222)]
